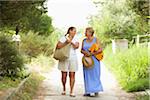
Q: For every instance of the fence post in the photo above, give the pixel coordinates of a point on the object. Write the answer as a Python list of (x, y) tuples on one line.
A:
[(113, 46), (137, 40)]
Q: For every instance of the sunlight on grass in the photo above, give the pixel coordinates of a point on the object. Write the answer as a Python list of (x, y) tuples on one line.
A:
[(41, 63), (30, 88), (7, 82), (130, 67)]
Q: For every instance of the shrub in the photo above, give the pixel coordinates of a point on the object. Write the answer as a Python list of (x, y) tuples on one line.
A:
[(33, 44), (11, 61), (130, 67)]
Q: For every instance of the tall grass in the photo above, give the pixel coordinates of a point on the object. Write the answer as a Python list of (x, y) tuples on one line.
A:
[(33, 44), (130, 67)]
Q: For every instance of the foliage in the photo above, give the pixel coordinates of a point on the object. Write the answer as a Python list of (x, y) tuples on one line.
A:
[(28, 15), (116, 19), (29, 88), (143, 97), (7, 82), (141, 7), (43, 63), (130, 69), (11, 62), (33, 44), (45, 25)]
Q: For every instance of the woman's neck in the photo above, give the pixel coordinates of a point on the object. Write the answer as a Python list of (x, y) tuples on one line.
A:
[(71, 36), (90, 38)]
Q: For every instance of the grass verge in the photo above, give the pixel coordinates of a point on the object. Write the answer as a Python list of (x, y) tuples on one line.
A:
[(130, 67), (29, 89)]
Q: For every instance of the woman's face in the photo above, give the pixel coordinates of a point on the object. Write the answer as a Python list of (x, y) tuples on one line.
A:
[(72, 32), (88, 34)]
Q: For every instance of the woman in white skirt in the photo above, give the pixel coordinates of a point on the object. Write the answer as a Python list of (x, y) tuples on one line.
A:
[(69, 65)]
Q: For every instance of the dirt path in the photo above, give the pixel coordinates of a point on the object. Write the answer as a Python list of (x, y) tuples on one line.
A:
[(51, 87)]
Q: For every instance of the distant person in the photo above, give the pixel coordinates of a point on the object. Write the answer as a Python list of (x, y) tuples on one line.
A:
[(16, 37)]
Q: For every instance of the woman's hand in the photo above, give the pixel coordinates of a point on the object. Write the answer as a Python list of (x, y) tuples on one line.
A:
[(69, 39), (87, 54), (75, 45)]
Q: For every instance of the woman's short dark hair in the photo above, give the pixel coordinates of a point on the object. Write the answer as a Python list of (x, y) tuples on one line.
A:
[(91, 30)]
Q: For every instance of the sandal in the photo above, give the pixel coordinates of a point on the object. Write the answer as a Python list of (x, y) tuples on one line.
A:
[(63, 93), (72, 95)]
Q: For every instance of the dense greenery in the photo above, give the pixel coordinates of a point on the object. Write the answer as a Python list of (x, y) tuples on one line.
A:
[(7, 82), (130, 67), (28, 15), (11, 62), (29, 88), (144, 97), (33, 44), (120, 19), (141, 7)]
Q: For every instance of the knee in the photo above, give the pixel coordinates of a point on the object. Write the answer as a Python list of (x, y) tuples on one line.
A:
[(72, 75)]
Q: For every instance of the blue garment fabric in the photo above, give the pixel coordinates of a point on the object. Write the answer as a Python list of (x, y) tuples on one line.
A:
[(92, 82)]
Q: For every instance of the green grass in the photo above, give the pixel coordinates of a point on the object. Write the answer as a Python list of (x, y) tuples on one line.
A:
[(44, 63), (30, 88), (145, 97), (130, 67), (138, 85), (7, 82)]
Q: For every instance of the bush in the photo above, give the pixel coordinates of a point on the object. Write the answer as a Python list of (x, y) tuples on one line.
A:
[(33, 44), (130, 67), (11, 61)]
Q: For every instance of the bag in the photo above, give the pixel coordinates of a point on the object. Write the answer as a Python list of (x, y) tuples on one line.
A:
[(62, 53), (88, 62)]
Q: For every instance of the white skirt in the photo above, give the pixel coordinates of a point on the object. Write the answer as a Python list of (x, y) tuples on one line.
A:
[(71, 64)]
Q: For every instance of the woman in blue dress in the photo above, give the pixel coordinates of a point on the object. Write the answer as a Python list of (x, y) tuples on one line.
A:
[(92, 81)]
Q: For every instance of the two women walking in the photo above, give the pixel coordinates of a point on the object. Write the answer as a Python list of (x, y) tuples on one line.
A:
[(92, 83)]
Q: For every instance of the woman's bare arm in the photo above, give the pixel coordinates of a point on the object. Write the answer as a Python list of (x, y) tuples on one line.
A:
[(61, 45), (84, 52)]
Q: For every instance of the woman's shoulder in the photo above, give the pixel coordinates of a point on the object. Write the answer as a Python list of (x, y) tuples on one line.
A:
[(84, 39), (62, 39), (95, 38)]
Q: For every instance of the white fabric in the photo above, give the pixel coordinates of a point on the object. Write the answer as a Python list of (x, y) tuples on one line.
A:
[(16, 37), (72, 50), (71, 64)]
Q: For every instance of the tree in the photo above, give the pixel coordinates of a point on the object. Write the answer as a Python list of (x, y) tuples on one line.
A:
[(116, 19), (26, 14)]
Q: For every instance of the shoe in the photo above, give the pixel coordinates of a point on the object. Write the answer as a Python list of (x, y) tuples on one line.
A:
[(72, 95), (63, 93), (92, 94), (86, 95), (96, 94)]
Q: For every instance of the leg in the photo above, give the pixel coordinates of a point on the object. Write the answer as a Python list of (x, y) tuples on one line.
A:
[(64, 79), (72, 81)]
